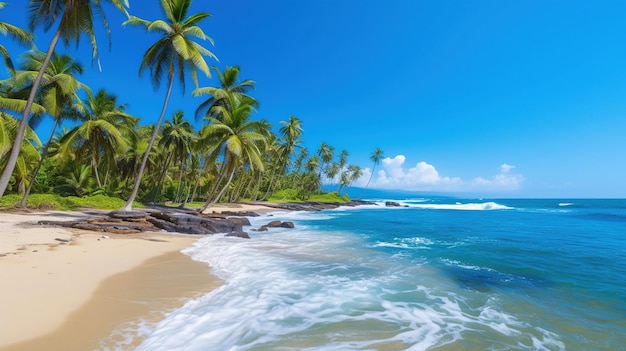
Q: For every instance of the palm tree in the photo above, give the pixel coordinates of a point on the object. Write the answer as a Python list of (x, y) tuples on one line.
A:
[(58, 94), (325, 152), (22, 36), (176, 139), (376, 156), (74, 18), (103, 135), (291, 131), (229, 83), (237, 140), (169, 57)]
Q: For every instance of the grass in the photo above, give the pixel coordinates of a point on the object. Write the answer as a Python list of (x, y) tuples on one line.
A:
[(61, 203), (290, 195)]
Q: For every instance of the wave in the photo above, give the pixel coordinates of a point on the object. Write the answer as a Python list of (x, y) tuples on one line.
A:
[(483, 206)]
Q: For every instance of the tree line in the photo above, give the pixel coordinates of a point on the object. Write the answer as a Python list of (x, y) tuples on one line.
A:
[(106, 151)]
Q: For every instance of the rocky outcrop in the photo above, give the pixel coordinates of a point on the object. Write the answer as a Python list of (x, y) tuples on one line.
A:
[(276, 224), (151, 221)]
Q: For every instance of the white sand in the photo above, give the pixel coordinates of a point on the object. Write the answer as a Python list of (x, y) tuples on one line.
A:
[(45, 280)]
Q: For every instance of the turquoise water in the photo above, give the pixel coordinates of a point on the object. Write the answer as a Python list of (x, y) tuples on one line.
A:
[(440, 274)]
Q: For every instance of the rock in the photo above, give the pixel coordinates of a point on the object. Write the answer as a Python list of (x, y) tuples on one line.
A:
[(127, 214), (62, 240), (392, 204), (241, 220), (287, 225), (239, 234), (262, 229), (273, 224)]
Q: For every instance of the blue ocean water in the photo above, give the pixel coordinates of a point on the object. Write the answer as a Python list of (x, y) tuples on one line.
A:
[(438, 274)]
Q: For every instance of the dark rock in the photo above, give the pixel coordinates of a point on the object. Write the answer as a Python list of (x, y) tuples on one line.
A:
[(273, 224), (62, 240), (392, 204), (127, 214), (239, 234), (287, 225), (262, 229), (241, 220)]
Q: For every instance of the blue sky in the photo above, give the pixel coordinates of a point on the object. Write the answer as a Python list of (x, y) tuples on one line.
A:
[(487, 98)]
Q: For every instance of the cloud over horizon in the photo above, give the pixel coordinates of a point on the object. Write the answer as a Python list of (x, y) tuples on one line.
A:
[(396, 175)]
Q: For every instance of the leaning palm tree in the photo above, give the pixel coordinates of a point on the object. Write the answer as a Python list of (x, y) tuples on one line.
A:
[(238, 141), (74, 18), (173, 54), (58, 94), (22, 36), (376, 156)]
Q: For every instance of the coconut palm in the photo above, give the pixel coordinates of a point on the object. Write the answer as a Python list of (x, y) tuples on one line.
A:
[(229, 83), (176, 140), (172, 55), (58, 94), (325, 152), (74, 18), (237, 140), (105, 132), (20, 35), (376, 156)]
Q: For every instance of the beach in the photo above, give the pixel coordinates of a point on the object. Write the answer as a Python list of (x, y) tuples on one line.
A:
[(70, 289)]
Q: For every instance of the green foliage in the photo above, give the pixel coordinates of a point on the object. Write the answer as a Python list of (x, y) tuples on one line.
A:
[(60, 203), (292, 195)]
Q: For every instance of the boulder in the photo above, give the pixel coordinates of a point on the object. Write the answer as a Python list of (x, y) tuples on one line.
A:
[(392, 204), (239, 234)]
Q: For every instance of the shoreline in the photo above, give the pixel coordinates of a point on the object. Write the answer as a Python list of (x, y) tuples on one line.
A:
[(76, 286)]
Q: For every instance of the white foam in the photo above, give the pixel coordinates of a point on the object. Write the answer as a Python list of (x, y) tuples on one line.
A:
[(323, 291), (483, 206)]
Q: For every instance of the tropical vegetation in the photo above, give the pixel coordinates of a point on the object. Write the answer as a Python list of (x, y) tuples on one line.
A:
[(96, 149)]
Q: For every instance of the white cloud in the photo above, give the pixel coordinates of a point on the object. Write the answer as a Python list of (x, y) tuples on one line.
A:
[(506, 168), (394, 174), (423, 176)]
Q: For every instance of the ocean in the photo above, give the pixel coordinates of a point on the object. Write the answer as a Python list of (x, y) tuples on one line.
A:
[(435, 274)]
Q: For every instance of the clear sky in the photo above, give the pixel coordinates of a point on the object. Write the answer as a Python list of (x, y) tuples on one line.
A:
[(489, 98)]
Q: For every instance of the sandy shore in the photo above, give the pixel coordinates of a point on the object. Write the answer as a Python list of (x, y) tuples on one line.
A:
[(68, 289)]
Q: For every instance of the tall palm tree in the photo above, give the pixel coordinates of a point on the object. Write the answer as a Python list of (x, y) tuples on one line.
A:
[(376, 156), (229, 83), (104, 133), (173, 54), (74, 18), (237, 140), (20, 35), (58, 94)]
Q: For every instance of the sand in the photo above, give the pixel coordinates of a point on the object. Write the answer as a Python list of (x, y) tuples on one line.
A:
[(68, 289)]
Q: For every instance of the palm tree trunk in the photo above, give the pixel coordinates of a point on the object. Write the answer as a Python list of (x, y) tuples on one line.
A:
[(94, 165), (161, 180), (19, 136), (195, 187), (129, 204), (36, 171), (217, 198), (368, 183), (180, 181)]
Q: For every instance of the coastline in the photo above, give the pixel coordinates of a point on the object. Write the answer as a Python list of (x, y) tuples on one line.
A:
[(66, 287)]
